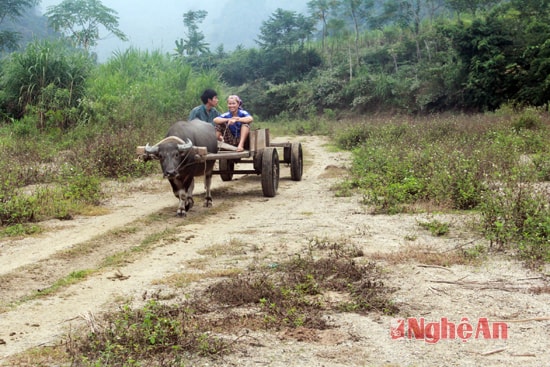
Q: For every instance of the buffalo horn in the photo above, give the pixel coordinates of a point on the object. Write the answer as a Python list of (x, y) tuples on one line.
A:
[(151, 149), (185, 146), (171, 138)]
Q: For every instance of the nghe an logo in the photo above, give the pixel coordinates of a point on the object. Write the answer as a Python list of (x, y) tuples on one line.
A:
[(432, 332)]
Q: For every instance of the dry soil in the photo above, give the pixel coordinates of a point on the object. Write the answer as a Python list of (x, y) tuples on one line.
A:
[(268, 229)]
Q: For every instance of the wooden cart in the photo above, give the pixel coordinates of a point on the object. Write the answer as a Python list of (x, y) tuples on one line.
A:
[(263, 155)]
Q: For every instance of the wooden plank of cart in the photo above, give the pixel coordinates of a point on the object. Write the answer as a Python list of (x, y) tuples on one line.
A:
[(262, 155)]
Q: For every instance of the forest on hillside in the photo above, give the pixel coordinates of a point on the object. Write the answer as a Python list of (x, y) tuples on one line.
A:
[(342, 57)]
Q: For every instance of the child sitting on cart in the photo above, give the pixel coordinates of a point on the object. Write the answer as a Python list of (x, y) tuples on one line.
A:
[(234, 125)]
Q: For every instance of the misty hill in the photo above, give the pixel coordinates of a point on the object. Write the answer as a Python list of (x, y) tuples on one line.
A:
[(157, 25), (29, 26), (238, 22)]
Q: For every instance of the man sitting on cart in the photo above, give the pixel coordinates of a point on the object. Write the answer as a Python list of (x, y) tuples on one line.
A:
[(234, 125), (207, 110)]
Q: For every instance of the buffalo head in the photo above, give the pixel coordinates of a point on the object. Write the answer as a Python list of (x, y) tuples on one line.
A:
[(173, 153)]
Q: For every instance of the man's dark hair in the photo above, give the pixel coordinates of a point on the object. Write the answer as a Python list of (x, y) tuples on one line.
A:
[(208, 94)]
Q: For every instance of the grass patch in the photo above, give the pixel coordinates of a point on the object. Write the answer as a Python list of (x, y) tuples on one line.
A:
[(153, 238), (154, 334), (44, 356), (73, 278), (123, 257), (435, 227), (290, 294), (20, 230), (181, 280), (430, 256), (232, 247), (93, 210)]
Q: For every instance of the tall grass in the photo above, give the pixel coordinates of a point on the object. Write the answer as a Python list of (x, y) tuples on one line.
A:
[(46, 81), (139, 87)]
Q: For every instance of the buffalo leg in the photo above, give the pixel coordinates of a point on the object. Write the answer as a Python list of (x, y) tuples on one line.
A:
[(189, 202), (208, 194), (181, 195)]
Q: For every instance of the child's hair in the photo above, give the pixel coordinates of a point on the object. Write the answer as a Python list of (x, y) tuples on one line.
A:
[(236, 98)]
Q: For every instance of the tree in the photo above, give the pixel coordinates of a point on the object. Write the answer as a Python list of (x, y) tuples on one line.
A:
[(285, 29), (532, 8), (320, 9), (81, 20), (12, 9), (194, 45), (282, 38), (488, 54), (434, 7), (531, 66), (471, 6), (357, 11)]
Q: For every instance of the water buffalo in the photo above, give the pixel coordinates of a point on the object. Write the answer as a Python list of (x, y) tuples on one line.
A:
[(177, 159)]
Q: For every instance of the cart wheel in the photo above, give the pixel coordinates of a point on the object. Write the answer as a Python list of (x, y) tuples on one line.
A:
[(270, 172), (296, 162), (286, 154), (227, 165)]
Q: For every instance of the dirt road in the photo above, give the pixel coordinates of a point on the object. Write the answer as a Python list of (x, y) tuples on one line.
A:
[(270, 228)]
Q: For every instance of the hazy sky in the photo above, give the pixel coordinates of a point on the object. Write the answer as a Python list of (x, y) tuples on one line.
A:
[(155, 25)]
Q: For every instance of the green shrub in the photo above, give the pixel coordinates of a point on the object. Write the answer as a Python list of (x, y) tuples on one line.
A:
[(24, 127), (518, 219), (17, 209), (528, 120), (271, 101), (534, 244), (20, 229), (352, 137), (476, 252), (466, 185), (542, 165), (435, 227), (135, 337), (81, 187), (449, 162), (344, 188)]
